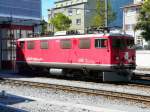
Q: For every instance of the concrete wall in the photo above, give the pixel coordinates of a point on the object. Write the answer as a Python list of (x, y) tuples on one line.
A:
[(143, 59)]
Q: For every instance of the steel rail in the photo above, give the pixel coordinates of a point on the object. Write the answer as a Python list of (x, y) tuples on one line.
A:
[(128, 96)]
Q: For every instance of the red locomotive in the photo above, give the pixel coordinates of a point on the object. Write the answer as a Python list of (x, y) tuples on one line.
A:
[(111, 55)]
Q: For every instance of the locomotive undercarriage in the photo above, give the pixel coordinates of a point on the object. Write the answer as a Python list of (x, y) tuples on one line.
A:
[(106, 75)]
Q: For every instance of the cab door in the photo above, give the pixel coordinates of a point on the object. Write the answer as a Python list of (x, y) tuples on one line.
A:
[(102, 52), (118, 51)]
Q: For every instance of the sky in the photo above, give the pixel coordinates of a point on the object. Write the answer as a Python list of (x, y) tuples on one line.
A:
[(46, 4)]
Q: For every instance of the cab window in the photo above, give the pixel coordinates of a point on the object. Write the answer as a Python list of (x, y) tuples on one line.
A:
[(101, 43)]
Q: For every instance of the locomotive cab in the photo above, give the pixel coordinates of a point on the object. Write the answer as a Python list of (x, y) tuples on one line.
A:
[(122, 57), (123, 52)]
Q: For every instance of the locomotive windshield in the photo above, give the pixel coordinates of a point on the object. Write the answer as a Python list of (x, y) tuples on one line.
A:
[(123, 43), (130, 43), (119, 43)]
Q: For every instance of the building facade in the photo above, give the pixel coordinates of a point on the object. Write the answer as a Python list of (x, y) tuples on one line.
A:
[(18, 19), (130, 14), (116, 7), (76, 10), (82, 11)]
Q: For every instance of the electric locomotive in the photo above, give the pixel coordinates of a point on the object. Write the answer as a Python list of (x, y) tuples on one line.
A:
[(110, 55)]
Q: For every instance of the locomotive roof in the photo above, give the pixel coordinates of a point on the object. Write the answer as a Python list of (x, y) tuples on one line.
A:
[(75, 36)]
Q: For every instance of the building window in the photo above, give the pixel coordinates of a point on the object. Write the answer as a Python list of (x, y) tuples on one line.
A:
[(133, 26), (77, 1), (70, 12), (49, 15), (78, 21), (30, 33), (30, 45), (66, 3), (55, 14), (129, 27), (65, 44), (84, 43), (78, 11), (132, 9), (18, 34), (44, 44), (100, 43), (24, 33), (137, 10)]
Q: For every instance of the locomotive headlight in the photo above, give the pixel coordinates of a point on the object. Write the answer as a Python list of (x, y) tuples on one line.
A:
[(133, 57)]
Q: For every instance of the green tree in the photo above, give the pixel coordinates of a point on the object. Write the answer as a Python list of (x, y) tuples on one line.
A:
[(61, 22), (143, 23), (43, 27), (99, 17)]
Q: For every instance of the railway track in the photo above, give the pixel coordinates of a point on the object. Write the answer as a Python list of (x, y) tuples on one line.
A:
[(132, 97), (143, 77)]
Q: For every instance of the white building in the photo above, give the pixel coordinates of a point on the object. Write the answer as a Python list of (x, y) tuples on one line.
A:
[(76, 10), (130, 18), (138, 1)]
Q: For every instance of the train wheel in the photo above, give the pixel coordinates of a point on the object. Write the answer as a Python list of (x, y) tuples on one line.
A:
[(23, 69), (96, 75)]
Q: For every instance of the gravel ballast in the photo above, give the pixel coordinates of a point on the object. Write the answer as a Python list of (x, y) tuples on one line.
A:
[(99, 86), (48, 100)]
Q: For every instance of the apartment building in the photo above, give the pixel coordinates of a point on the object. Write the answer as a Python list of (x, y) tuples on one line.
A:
[(81, 12), (130, 18)]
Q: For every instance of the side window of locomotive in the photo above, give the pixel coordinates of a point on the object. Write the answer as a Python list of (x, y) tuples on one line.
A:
[(101, 43), (21, 44), (65, 44), (30, 45), (44, 44), (84, 43)]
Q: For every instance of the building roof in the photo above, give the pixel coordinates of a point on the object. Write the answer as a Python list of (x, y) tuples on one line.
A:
[(59, 1), (132, 5), (69, 6)]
